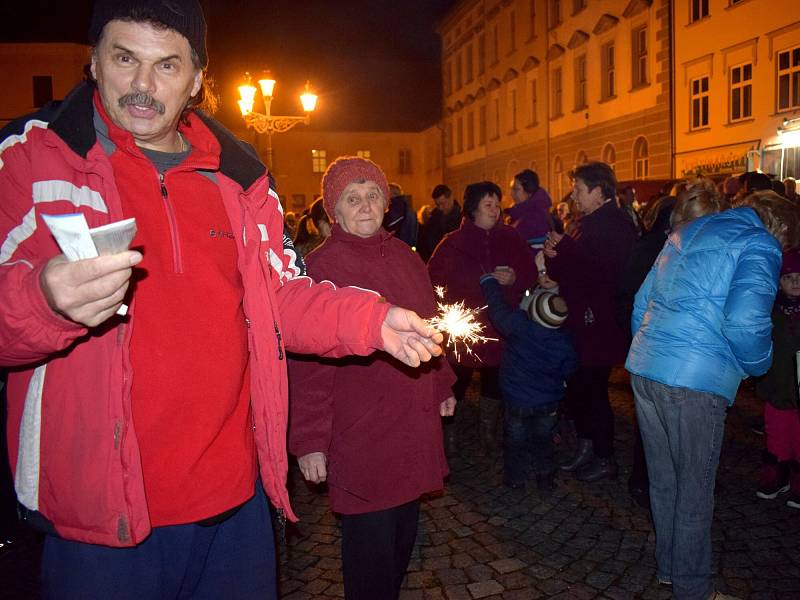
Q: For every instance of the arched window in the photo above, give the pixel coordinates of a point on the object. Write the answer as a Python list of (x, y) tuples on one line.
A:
[(512, 168), (609, 156), (641, 159), (558, 178), (580, 158)]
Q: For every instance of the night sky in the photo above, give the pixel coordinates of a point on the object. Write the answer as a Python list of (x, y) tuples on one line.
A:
[(375, 64)]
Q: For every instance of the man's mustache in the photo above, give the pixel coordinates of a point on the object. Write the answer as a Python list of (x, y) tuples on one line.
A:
[(142, 99)]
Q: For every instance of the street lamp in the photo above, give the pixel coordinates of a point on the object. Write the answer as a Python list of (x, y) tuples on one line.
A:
[(266, 122)]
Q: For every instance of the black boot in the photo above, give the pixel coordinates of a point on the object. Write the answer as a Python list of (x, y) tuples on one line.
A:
[(600, 468), (583, 455)]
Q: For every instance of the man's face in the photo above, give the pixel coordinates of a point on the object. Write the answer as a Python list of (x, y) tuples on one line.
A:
[(145, 77), (586, 201), (360, 209), (444, 203)]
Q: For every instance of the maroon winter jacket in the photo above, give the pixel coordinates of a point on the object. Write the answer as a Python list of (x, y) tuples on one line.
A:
[(588, 269), (376, 419), (458, 263)]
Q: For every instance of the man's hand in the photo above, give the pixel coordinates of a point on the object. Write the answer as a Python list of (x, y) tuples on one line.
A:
[(88, 291), (505, 276), (408, 338), (448, 407), (550, 244), (314, 467)]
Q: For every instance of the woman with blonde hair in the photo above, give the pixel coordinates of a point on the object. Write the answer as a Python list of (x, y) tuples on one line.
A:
[(697, 201)]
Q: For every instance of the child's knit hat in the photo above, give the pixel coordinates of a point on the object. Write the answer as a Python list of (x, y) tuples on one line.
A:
[(791, 262), (545, 308)]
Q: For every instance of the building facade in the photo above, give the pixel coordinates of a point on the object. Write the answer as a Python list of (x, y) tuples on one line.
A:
[(737, 87), (550, 84), (35, 74), (300, 157)]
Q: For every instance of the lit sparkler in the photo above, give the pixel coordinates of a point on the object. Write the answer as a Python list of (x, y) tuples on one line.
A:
[(459, 323)]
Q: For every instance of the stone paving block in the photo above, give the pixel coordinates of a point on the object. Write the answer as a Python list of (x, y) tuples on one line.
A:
[(412, 595), (507, 565), (462, 560), (516, 580), (451, 576), (618, 593), (600, 580), (297, 596), (457, 592), (479, 572), (436, 563), (484, 589), (419, 579), (317, 586), (435, 593), (436, 551), (552, 586), (336, 590), (541, 572)]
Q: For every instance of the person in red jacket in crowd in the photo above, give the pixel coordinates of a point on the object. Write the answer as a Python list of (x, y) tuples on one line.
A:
[(370, 427), (143, 445), (483, 244)]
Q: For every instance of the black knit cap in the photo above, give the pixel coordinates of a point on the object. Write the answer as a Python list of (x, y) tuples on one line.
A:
[(183, 16)]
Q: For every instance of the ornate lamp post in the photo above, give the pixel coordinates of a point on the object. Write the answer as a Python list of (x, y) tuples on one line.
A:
[(266, 122)]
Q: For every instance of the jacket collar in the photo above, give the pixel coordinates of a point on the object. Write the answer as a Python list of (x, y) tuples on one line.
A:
[(73, 122), (340, 235)]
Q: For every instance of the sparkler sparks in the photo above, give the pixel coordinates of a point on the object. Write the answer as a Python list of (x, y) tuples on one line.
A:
[(459, 323)]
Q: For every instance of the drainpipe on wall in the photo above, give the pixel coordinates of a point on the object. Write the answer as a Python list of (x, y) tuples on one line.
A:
[(547, 97), (672, 124)]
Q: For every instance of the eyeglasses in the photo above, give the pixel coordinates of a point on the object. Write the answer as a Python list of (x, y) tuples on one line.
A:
[(793, 278)]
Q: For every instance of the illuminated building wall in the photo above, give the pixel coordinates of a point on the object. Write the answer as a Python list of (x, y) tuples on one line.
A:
[(737, 78), (549, 84)]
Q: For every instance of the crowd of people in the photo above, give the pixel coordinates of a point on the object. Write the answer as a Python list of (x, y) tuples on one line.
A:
[(156, 450)]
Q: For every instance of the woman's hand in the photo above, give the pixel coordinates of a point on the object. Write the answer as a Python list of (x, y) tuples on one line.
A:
[(550, 244), (314, 467), (448, 407)]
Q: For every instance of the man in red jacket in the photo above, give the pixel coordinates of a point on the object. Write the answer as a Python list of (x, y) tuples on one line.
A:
[(137, 443)]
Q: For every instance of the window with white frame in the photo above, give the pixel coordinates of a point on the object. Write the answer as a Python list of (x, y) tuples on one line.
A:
[(641, 158), (404, 161), (741, 97), (557, 93), (580, 82), (608, 70), (698, 89), (319, 161), (609, 156), (533, 97), (581, 158), (558, 177), (364, 154), (470, 130), (788, 89), (698, 9), (554, 15), (639, 56)]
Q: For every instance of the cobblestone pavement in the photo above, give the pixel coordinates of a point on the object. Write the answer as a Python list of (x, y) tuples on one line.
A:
[(480, 540)]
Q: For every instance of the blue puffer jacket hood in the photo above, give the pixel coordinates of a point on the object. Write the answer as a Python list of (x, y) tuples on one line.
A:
[(701, 319)]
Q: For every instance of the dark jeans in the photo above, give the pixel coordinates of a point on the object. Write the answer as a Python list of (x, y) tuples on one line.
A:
[(233, 559), (587, 390), (528, 440), (376, 549), (682, 432)]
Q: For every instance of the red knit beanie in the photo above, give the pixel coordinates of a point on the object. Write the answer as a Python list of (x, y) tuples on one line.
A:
[(344, 171)]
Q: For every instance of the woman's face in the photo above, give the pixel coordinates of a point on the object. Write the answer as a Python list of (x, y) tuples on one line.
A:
[(518, 193), (360, 209), (488, 212), (790, 284)]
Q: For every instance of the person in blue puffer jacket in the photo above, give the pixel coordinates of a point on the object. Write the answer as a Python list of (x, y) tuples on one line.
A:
[(701, 324), (537, 359)]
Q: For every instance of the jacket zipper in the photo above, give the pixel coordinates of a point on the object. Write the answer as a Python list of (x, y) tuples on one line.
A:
[(173, 226), (278, 336)]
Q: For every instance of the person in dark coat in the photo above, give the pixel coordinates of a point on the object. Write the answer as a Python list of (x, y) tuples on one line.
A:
[(446, 217), (588, 266), (370, 426), (538, 357)]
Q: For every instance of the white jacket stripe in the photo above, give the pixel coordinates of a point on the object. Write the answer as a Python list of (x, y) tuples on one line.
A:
[(30, 432), (21, 138)]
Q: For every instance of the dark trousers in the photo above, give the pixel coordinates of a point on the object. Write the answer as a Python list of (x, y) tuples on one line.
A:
[(376, 549), (594, 420), (528, 441), (490, 385), (233, 559)]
